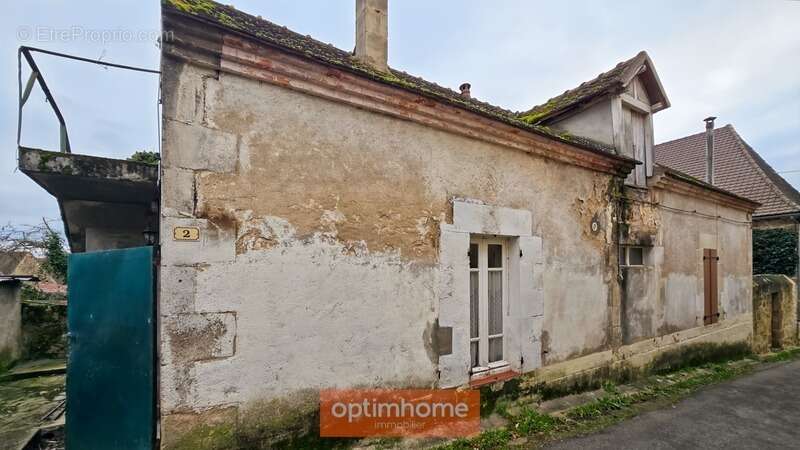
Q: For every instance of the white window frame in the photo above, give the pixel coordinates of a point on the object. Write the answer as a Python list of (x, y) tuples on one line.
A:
[(625, 255), (483, 270)]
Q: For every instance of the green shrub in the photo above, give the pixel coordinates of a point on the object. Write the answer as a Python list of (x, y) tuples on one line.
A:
[(146, 157), (775, 251)]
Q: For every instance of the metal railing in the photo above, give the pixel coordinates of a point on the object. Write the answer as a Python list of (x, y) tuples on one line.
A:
[(36, 76)]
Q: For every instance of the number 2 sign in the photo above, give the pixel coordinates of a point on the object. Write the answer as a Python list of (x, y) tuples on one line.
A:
[(186, 233)]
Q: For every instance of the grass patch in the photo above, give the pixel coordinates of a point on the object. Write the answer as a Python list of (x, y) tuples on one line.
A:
[(488, 440), (531, 422), (601, 406), (785, 355)]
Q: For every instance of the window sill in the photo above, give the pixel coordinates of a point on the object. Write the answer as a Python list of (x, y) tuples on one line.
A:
[(492, 376)]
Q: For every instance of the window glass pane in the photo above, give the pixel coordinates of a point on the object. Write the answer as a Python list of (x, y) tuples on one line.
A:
[(495, 302), (622, 260), (473, 353), (635, 256), (496, 349), (473, 256), (495, 255), (473, 304)]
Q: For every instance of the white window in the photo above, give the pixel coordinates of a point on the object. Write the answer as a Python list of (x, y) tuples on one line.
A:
[(631, 256), (488, 261)]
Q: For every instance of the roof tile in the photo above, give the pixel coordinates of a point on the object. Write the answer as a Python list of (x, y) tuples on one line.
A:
[(605, 83), (737, 168)]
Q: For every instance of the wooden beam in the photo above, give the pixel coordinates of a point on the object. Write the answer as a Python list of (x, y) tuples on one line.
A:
[(635, 103), (617, 124)]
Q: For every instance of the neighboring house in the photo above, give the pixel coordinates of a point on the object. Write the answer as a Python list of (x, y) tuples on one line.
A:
[(326, 221), (24, 263), (19, 263), (736, 167)]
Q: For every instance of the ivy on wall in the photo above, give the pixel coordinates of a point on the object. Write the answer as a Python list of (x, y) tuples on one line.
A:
[(44, 324), (775, 251)]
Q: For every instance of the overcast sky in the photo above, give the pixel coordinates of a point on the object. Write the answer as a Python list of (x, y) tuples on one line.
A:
[(738, 60)]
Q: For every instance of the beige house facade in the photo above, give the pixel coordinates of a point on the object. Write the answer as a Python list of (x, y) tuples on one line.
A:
[(362, 227)]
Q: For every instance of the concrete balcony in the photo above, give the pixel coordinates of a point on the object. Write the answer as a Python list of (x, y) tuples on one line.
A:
[(105, 203)]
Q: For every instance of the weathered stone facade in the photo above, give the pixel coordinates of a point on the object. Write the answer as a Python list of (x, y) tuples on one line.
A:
[(329, 255), (665, 294)]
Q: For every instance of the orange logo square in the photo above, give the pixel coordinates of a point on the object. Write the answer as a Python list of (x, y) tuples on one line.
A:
[(410, 412)]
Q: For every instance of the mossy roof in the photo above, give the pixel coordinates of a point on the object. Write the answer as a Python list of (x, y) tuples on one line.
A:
[(738, 168), (612, 81), (270, 33)]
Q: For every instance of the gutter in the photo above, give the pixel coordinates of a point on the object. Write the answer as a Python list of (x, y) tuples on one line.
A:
[(794, 215)]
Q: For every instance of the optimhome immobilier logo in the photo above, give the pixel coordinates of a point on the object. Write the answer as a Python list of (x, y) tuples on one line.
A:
[(385, 412)]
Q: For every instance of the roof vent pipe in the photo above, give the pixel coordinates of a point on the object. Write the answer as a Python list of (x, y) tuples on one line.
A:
[(709, 149), (372, 33), (464, 88)]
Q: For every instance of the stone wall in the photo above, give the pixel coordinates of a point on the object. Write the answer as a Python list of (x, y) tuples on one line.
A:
[(10, 323), (666, 294), (774, 312), (320, 224)]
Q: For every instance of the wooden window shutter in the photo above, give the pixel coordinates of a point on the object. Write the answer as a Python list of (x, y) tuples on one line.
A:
[(711, 290)]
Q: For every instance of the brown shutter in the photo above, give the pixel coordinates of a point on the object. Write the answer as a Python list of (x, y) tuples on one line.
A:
[(710, 289), (713, 259)]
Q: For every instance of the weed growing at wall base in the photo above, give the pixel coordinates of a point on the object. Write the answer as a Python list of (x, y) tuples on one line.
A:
[(531, 428)]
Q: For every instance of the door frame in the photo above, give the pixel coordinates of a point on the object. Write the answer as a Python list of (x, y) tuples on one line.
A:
[(483, 242)]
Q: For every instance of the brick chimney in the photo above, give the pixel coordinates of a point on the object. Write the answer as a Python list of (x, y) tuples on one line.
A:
[(372, 33), (709, 149), (464, 88)]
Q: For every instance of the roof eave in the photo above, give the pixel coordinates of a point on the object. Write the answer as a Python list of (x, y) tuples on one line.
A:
[(533, 128), (726, 197), (790, 215)]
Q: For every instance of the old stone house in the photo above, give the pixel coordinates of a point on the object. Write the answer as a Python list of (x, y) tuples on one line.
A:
[(365, 227), (327, 221)]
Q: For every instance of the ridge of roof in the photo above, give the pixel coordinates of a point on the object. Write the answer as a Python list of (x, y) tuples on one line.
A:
[(785, 199), (610, 81), (778, 182), (273, 34)]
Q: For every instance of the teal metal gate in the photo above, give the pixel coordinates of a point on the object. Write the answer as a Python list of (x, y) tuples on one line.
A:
[(110, 371)]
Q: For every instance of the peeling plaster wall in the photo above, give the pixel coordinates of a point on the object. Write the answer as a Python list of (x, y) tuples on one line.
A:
[(317, 262), (666, 295)]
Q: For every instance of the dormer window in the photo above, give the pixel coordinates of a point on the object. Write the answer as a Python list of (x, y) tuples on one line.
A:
[(636, 141), (615, 110)]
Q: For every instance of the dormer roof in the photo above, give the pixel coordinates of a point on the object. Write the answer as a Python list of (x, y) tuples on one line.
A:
[(607, 83)]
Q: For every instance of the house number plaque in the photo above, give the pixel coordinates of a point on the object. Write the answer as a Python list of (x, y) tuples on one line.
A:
[(186, 233)]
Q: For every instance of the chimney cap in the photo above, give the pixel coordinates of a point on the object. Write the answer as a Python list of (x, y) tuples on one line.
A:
[(709, 119), (464, 88)]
